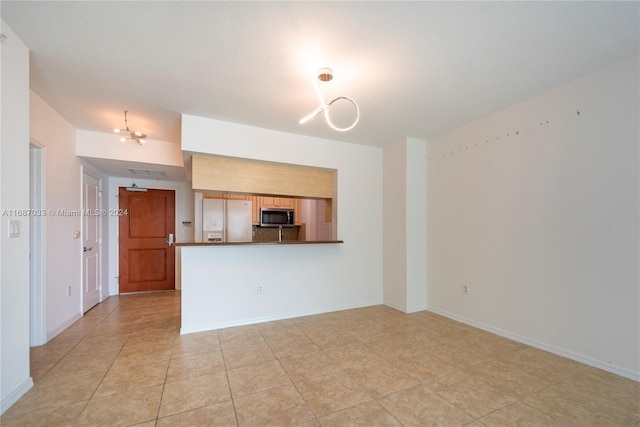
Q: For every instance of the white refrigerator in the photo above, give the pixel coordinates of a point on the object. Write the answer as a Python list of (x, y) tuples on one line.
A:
[(226, 220)]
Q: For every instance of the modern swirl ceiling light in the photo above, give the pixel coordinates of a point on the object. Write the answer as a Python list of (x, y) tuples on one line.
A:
[(134, 135), (325, 75)]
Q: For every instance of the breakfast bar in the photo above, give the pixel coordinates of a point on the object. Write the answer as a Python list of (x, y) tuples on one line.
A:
[(284, 242), (241, 283)]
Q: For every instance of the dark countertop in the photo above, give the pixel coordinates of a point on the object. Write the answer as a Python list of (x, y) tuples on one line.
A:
[(284, 242)]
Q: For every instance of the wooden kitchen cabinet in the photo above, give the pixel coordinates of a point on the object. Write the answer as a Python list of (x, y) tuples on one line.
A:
[(279, 202), (237, 197), (255, 201), (276, 202), (328, 209), (287, 203), (297, 211), (226, 196)]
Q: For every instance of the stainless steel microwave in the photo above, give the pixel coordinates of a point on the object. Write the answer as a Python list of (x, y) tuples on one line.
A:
[(276, 217)]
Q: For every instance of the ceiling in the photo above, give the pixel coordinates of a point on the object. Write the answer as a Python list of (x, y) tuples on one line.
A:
[(416, 69)]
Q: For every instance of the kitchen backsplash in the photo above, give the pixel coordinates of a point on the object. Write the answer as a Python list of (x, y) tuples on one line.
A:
[(270, 234)]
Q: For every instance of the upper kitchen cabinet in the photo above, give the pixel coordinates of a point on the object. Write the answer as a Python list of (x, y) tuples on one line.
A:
[(226, 196), (256, 209), (238, 197), (277, 202)]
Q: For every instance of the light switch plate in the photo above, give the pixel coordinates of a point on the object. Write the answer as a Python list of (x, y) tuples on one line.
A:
[(14, 228)]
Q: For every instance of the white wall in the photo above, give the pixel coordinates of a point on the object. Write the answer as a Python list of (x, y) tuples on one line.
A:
[(405, 245), (63, 189), (416, 226), (395, 225), (219, 283), (184, 212), (14, 194), (101, 145), (535, 209)]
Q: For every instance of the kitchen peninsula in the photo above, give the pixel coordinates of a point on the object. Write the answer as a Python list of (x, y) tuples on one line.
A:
[(284, 242), (291, 264), (221, 285), (231, 284)]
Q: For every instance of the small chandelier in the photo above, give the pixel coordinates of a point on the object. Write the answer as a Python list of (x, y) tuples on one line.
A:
[(325, 75), (134, 135)]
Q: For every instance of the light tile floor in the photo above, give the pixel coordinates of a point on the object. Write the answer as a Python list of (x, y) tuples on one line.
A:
[(124, 363)]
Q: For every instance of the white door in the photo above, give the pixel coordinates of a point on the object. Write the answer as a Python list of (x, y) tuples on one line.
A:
[(92, 217)]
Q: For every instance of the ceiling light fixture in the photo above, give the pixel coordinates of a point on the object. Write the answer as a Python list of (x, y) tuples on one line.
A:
[(325, 75), (134, 135)]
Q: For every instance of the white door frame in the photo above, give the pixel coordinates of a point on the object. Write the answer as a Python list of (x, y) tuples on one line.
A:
[(37, 244), (99, 248)]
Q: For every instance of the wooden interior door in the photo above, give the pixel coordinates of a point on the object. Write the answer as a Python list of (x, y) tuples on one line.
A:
[(147, 260)]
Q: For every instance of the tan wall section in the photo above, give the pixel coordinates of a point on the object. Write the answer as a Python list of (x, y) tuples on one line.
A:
[(227, 174)]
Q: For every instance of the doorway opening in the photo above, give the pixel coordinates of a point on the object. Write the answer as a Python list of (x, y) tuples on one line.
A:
[(37, 289)]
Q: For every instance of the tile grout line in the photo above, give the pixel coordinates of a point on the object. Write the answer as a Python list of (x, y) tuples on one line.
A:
[(226, 374), (562, 373), (77, 419), (293, 383), (164, 383)]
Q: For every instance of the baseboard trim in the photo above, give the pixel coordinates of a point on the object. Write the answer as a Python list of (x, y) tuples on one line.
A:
[(404, 309), (256, 320), (15, 395), (416, 309), (623, 372), (395, 306), (51, 335)]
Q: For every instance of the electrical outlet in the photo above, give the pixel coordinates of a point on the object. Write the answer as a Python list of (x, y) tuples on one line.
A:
[(260, 289), (465, 290)]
